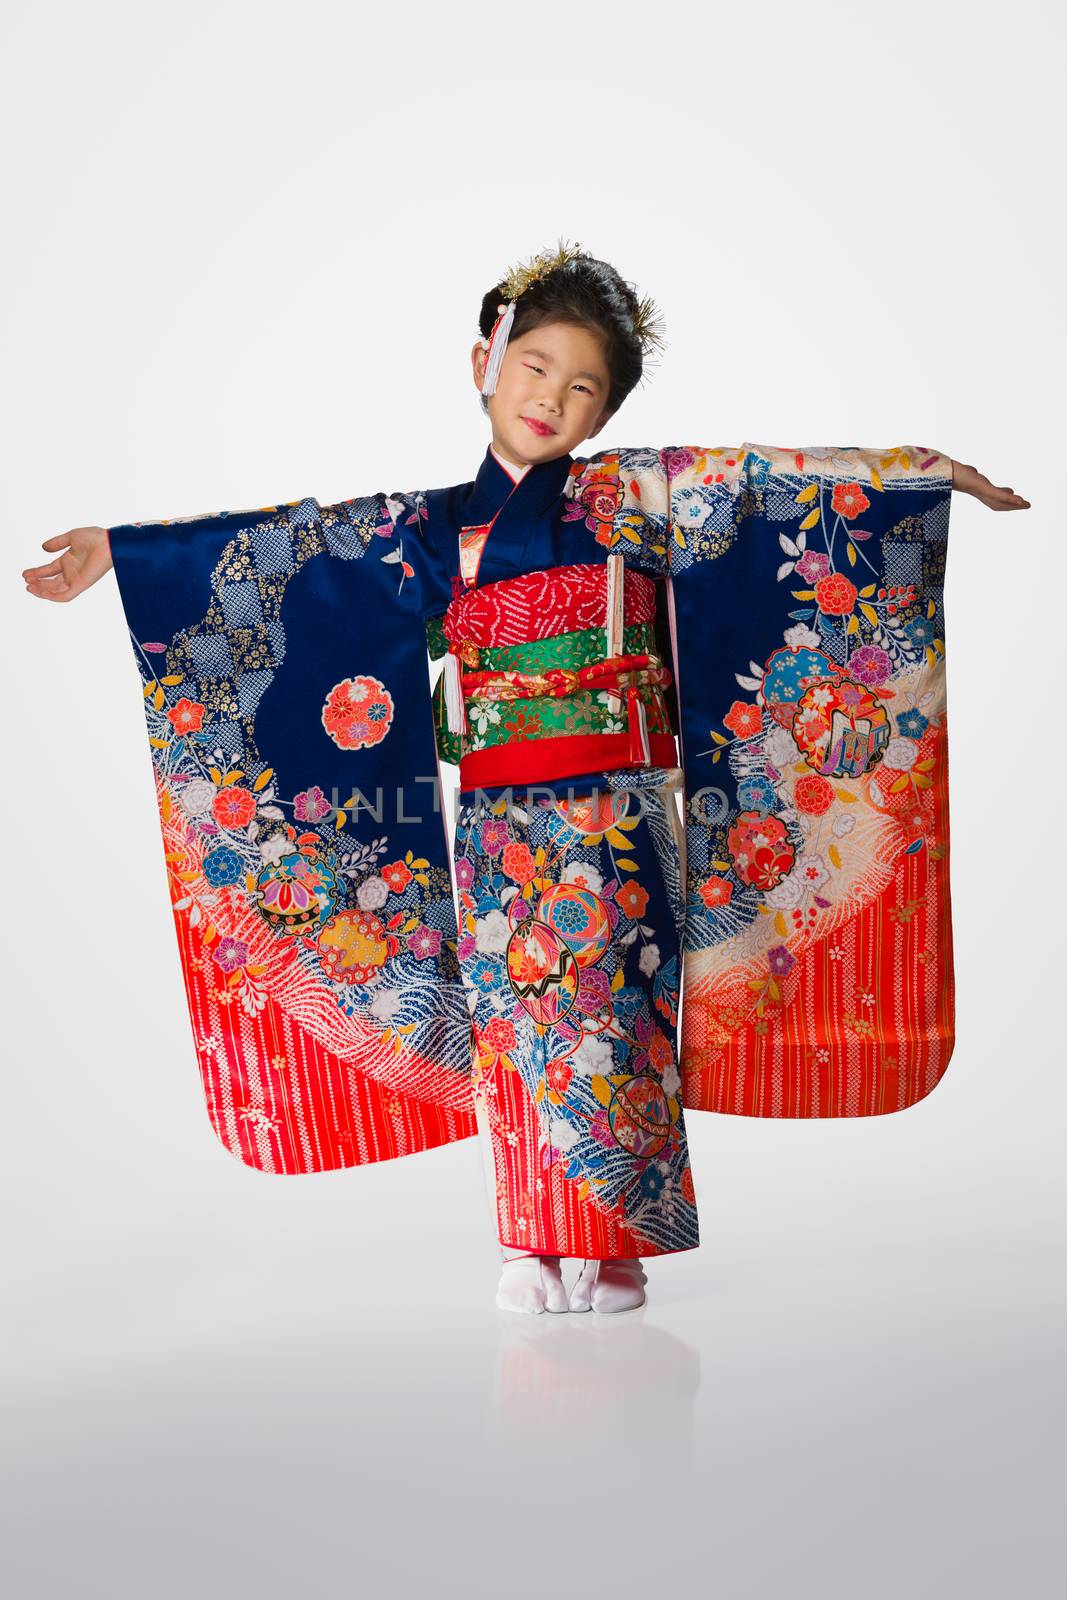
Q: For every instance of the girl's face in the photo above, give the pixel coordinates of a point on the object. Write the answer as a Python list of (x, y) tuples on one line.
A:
[(554, 375)]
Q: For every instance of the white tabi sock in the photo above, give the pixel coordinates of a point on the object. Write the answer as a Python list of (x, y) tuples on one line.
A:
[(531, 1283), (611, 1285)]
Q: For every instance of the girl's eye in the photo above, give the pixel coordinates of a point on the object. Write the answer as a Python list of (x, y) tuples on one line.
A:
[(581, 386)]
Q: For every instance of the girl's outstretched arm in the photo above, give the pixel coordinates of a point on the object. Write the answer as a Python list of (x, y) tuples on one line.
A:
[(86, 557), (968, 480)]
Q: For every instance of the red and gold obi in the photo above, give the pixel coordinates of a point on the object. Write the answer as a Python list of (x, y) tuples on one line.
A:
[(553, 674)]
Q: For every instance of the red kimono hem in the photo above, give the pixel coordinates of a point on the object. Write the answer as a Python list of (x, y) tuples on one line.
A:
[(643, 1255)]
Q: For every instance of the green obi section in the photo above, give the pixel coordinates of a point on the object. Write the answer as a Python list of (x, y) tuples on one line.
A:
[(494, 722), (436, 642), (571, 650), (450, 745)]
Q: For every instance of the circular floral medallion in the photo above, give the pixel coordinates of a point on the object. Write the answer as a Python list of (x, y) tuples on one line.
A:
[(581, 919), (353, 946), (639, 1117), (760, 849), (358, 713), (542, 972), (297, 893)]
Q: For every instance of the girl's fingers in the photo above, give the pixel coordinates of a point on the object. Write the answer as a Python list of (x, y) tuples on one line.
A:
[(49, 591), (1004, 500), (46, 571), (997, 497), (58, 541)]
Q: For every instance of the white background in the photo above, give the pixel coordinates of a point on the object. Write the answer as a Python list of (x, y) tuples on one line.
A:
[(245, 250)]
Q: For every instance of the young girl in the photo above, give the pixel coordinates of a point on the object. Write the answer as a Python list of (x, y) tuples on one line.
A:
[(558, 674)]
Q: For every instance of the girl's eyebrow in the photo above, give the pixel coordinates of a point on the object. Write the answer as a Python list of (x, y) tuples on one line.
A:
[(528, 351)]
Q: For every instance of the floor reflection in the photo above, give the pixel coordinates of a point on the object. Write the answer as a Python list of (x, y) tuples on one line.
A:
[(620, 1373)]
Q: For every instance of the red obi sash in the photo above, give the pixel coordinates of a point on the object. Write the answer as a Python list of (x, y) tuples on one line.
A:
[(540, 605), (542, 608)]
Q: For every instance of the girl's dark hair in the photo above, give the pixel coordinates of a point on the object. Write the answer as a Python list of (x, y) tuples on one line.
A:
[(588, 294)]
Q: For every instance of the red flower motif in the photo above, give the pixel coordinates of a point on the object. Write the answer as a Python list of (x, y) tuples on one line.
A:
[(524, 724), (519, 863), (770, 866), (499, 1034), (849, 500), (835, 595), (813, 794), (397, 876), (558, 1075), (660, 1051), (744, 719), (186, 716), (233, 807), (716, 891), (631, 898)]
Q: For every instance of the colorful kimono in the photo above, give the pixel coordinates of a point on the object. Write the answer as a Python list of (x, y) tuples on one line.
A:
[(761, 627)]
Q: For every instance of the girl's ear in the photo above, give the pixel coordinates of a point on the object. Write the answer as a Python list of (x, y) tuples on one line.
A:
[(479, 355)]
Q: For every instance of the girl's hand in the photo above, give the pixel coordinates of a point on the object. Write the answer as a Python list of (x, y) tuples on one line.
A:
[(86, 557), (968, 480)]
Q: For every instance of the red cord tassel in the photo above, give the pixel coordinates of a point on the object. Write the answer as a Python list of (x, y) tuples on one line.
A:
[(640, 755)]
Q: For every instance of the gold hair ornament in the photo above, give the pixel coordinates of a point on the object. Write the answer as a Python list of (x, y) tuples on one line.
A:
[(647, 322)]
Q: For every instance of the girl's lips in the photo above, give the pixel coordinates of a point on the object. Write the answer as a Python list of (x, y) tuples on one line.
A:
[(538, 427)]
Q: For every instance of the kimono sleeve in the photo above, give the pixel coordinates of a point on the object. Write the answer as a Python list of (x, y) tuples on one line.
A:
[(281, 653), (809, 636)]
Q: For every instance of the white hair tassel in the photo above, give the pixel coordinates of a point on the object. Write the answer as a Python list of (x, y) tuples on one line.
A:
[(498, 343)]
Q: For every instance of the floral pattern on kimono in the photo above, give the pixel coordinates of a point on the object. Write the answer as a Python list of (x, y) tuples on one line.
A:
[(570, 919)]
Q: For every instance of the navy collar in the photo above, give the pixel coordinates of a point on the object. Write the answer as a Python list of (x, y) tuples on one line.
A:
[(516, 506)]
